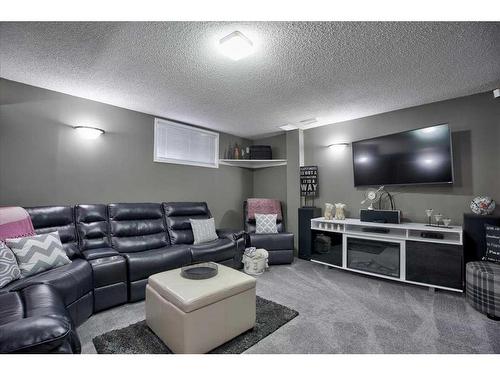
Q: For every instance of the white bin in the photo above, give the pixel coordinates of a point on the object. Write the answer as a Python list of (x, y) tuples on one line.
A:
[(255, 261)]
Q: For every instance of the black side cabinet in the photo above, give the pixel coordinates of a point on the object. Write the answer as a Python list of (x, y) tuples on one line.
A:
[(305, 235), (434, 263), (475, 235)]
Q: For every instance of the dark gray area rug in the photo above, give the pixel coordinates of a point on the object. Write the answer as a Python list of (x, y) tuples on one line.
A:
[(139, 339)]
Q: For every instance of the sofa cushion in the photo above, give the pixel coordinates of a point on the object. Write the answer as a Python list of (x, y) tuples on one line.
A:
[(215, 251), (275, 241), (92, 226), (57, 218), (249, 223), (34, 320), (177, 216), (143, 264), (265, 223), (203, 230), (136, 227), (9, 270), (72, 281), (38, 253)]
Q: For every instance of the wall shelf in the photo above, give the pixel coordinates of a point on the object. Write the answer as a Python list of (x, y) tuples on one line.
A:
[(253, 164)]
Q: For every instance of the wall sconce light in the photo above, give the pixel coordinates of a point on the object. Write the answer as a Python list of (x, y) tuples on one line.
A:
[(88, 132), (338, 146)]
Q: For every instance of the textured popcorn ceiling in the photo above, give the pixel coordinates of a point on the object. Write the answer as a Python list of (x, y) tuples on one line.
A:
[(333, 71)]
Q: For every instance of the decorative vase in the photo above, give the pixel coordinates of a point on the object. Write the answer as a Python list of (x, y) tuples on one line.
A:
[(328, 211), (339, 211), (482, 205)]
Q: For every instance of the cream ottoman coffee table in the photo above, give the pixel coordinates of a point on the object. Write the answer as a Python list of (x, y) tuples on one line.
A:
[(196, 316)]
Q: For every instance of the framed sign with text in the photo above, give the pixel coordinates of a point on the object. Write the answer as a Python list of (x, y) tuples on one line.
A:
[(309, 181)]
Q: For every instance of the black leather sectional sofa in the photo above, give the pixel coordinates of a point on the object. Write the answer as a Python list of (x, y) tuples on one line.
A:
[(114, 248)]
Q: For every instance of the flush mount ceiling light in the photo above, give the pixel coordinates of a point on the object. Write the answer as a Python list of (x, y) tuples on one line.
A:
[(236, 46), (288, 127), (88, 132)]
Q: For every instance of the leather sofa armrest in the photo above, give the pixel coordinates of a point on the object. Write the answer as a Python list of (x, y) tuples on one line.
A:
[(41, 334), (103, 252), (232, 234)]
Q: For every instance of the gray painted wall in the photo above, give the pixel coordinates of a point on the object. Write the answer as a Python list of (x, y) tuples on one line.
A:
[(43, 161), (475, 125)]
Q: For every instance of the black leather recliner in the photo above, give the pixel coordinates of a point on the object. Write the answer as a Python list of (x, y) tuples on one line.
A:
[(35, 320), (109, 268), (279, 245), (221, 250), (74, 280), (139, 233)]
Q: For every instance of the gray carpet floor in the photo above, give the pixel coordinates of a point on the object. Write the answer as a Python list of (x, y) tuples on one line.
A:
[(342, 312)]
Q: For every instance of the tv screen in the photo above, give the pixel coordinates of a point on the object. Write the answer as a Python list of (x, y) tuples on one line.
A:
[(421, 156)]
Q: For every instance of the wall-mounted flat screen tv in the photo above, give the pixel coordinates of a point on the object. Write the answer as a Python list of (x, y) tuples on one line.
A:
[(420, 156)]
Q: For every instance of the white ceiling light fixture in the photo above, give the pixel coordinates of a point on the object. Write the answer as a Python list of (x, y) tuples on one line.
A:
[(236, 46), (88, 132), (288, 127), (338, 146)]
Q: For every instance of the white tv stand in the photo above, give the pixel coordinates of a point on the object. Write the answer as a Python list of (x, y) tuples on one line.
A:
[(391, 251)]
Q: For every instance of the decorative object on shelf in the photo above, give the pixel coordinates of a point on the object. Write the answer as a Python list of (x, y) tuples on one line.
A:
[(255, 261), (236, 152), (374, 196), (322, 244), (482, 205), (260, 152), (429, 212), (438, 218), (200, 271), (339, 211), (309, 183), (328, 211)]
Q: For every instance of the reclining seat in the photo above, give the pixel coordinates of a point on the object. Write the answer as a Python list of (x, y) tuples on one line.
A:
[(225, 250), (108, 266), (138, 232), (74, 280), (34, 320), (279, 245)]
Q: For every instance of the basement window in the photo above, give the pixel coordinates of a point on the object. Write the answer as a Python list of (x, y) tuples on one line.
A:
[(183, 144)]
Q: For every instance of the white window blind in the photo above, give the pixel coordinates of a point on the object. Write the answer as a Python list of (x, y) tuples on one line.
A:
[(184, 144)]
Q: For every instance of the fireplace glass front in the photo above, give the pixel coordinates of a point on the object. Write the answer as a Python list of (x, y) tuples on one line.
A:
[(373, 256)]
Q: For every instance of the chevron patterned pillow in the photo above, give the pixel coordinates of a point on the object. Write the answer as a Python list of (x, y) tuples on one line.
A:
[(266, 223), (38, 253), (9, 270)]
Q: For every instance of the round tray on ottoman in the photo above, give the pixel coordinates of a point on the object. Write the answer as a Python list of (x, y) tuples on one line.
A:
[(199, 271)]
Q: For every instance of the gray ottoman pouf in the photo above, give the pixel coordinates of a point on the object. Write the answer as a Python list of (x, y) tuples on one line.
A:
[(483, 287)]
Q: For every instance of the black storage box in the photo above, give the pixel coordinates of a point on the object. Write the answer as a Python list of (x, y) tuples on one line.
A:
[(261, 152)]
